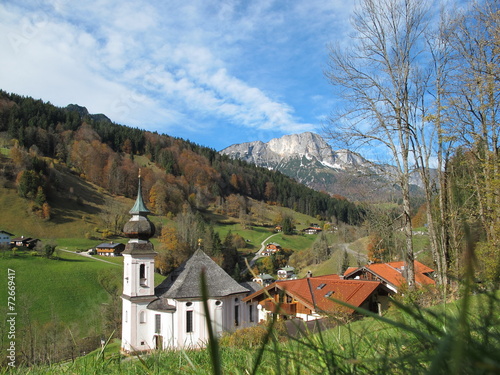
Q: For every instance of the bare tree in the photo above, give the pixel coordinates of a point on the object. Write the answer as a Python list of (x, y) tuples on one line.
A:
[(379, 78), (433, 145), (475, 110)]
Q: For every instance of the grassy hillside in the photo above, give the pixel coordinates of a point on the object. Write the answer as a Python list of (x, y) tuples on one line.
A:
[(76, 206)]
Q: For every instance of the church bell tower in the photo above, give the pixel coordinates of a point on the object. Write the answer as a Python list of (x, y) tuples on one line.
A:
[(138, 278)]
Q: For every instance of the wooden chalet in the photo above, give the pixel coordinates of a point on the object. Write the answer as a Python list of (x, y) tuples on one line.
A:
[(28, 242), (313, 298), (271, 248), (391, 274), (111, 249), (312, 230)]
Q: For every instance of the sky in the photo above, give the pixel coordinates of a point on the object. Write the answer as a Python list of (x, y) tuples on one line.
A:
[(215, 72)]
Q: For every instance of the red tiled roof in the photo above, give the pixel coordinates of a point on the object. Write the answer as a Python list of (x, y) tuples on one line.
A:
[(317, 293), (349, 270), (392, 272)]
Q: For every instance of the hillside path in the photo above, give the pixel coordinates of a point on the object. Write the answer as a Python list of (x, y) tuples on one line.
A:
[(357, 254), (89, 256), (258, 254)]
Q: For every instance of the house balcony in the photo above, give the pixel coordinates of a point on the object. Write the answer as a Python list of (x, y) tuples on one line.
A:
[(282, 308)]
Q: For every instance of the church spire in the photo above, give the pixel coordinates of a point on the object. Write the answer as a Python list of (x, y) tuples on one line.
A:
[(139, 206), (138, 227)]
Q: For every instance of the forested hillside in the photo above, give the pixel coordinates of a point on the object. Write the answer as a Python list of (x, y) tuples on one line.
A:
[(179, 171)]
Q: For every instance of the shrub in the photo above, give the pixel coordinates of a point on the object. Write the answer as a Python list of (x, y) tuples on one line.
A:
[(250, 337)]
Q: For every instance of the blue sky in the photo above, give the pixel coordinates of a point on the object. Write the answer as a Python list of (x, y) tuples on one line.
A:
[(214, 72)]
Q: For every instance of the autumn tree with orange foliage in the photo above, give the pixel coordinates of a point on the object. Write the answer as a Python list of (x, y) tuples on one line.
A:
[(171, 251), (376, 252), (420, 218)]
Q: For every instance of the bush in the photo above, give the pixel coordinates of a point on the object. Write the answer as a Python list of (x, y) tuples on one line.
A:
[(250, 337)]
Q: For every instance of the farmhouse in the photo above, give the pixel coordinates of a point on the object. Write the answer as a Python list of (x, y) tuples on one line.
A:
[(5, 238), (172, 315), (311, 298), (391, 274), (28, 242), (111, 249)]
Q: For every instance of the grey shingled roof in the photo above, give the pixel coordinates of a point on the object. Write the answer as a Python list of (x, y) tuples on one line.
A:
[(161, 304), (251, 286), (187, 283)]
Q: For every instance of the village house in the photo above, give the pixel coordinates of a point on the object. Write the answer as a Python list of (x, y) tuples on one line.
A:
[(111, 249), (28, 242), (172, 315), (271, 248), (391, 274), (5, 238), (263, 279), (312, 230), (286, 273), (311, 298)]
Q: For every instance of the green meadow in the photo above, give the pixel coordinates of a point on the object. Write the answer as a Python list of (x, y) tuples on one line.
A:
[(65, 289)]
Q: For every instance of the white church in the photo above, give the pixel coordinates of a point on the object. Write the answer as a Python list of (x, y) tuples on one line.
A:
[(172, 316)]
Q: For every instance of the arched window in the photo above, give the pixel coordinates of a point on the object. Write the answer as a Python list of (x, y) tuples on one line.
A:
[(142, 317), (237, 315), (142, 275), (189, 321)]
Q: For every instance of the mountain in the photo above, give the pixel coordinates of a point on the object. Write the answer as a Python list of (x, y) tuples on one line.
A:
[(83, 112), (310, 160)]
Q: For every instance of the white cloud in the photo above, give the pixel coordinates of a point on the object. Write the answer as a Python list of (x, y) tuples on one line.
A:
[(169, 64)]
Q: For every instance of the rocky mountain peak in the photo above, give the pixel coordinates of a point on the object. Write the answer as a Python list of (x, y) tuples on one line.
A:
[(309, 159), (307, 145)]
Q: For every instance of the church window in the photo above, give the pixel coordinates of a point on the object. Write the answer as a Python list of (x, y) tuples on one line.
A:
[(189, 321), (142, 317), (237, 315), (142, 274), (157, 323)]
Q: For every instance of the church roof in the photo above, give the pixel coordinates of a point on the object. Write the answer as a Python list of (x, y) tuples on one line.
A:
[(185, 282)]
